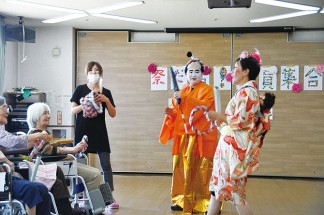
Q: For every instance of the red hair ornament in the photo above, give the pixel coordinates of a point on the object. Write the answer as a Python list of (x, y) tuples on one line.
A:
[(207, 70), (255, 55)]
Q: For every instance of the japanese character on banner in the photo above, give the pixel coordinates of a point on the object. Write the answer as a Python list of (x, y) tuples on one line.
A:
[(268, 78), (312, 79), (289, 76), (159, 79)]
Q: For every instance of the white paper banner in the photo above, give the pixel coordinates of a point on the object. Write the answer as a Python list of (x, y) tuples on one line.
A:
[(181, 77), (205, 79), (159, 79), (219, 77), (289, 76), (268, 78), (312, 79)]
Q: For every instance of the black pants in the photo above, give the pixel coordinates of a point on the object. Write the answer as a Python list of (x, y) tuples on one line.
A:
[(61, 194)]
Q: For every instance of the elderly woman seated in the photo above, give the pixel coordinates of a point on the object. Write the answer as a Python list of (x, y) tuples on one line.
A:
[(34, 195), (9, 141), (38, 116)]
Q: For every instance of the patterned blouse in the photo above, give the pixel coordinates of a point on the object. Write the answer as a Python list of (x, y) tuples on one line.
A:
[(9, 141)]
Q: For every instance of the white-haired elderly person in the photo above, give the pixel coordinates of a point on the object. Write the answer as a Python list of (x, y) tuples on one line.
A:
[(38, 118), (34, 195), (9, 142)]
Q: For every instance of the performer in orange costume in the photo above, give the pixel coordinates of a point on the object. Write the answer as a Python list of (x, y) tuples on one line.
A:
[(192, 153)]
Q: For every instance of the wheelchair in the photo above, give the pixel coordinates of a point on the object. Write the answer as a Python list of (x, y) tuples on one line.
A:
[(17, 160), (93, 202), (8, 206)]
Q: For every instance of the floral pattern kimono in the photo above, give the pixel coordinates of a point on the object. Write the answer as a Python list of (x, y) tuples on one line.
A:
[(237, 152)]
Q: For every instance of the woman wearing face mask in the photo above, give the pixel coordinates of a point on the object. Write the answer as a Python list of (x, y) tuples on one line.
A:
[(192, 153), (84, 98)]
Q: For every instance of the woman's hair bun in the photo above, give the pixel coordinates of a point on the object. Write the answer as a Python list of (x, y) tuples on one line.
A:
[(189, 54)]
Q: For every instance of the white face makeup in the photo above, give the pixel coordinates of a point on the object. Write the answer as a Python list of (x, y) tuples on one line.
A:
[(194, 74)]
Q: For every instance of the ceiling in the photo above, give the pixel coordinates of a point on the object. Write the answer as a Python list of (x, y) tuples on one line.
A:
[(168, 14)]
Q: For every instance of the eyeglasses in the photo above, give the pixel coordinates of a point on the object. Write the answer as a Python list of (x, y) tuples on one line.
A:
[(5, 107)]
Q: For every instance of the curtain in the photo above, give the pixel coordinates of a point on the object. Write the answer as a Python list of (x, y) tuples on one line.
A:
[(2, 53)]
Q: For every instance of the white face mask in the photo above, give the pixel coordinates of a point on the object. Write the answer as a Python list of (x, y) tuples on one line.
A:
[(94, 78), (194, 74)]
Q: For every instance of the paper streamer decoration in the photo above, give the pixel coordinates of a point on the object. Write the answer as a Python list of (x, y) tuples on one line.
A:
[(100, 85), (217, 100)]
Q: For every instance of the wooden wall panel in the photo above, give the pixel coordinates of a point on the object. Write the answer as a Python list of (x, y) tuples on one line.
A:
[(293, 147)]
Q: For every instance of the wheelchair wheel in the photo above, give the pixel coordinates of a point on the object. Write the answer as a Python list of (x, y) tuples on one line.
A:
[(17, 211)]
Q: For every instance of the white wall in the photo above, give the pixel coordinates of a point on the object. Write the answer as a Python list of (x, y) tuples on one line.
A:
[(50, 74), (10, 78)]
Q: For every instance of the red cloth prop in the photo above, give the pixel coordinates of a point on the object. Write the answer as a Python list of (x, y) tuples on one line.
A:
[(89, 107)]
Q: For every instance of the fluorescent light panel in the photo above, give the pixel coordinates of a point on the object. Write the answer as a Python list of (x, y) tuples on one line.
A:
[(125, 18), (287, 5), (80, 13), (65, 18), (284, 16), (116, 6), (49, 7)]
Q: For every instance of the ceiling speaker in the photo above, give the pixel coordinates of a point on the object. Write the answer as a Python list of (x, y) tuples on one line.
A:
[(14, 33), (228, 3)]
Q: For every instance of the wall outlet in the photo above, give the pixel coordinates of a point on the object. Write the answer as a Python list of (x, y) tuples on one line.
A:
[(59, 117)]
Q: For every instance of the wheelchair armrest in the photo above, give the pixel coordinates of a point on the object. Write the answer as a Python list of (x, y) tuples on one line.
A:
[(16, 152), (7, 168), (16, 159), (53, 158), (6, 184)]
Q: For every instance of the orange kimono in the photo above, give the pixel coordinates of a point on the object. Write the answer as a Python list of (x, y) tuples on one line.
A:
[(192, 153)]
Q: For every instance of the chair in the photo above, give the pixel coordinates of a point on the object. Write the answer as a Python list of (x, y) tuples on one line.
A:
[(92, 201)]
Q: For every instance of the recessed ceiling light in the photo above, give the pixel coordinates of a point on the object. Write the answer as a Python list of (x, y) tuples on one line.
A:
[(125, 18), (283, 16), (44, 6), (65, 18), (84, 13), (116, 6)]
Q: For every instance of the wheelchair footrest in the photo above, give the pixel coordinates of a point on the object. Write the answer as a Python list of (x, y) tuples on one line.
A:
[(106, 193)]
